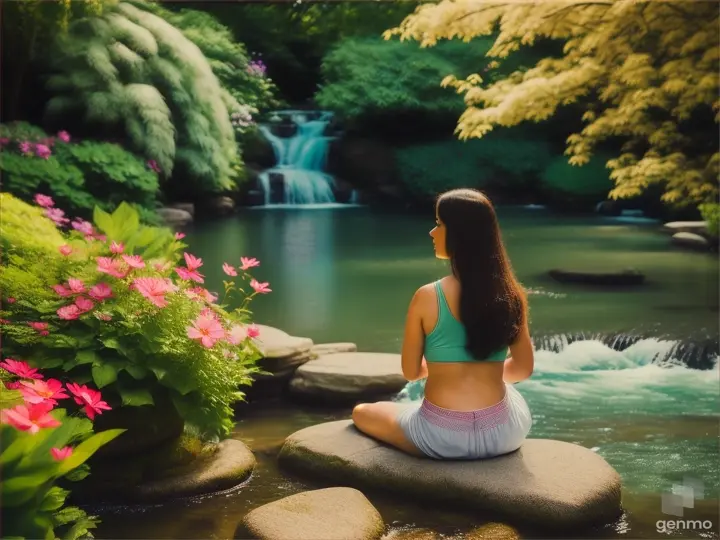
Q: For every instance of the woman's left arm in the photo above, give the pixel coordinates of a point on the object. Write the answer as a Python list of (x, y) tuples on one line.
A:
[(414, 366)]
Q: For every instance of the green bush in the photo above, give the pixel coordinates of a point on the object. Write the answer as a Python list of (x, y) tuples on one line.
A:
[(435, 167), (123, 311), (42, 445), (710, 212), (78, 175)]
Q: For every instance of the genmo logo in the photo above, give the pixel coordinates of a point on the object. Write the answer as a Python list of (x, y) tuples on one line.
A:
[(675, 501)]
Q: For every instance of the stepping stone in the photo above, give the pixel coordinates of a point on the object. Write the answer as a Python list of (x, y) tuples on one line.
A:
[(337, 513), (546, 484), (345, 377), (332, 348), (697, 227), (690, 240)]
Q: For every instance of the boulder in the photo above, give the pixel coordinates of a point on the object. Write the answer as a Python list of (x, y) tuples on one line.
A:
[(175, 216), (332, 348), (282, 355), (349, 376), (337, 513), (690, 240), (220, 206), (696, 227), (492, 531), (186, 206), (546, 484)]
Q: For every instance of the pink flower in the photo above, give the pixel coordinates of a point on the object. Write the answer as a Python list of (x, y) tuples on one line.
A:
[(253, 331), (12, 385), (207, 329), (60, 454), (162, 266), (30, 418), (262, 288), (200, 293), (83, 226), (44, 200), (192, 262), (84, 304), (64, 136), (62, 290), (111, 267), (56, 215), (179, 236), (11, 300), (91, 399), (43, 151), (186, 274), (229, 270), (101, 291), (42, 391), (248, 262), (69, 313), (153, 165), (76, 286), (103, 316), (237, 334), (117, 248), (154, 289), (39, 326), (134, 261), (25, 147), (20, 368), (65, 249)]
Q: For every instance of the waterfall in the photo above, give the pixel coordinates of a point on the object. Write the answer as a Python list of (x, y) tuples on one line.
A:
[(300, 161)]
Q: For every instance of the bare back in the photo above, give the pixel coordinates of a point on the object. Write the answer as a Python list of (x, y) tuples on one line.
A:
[(459, 386)]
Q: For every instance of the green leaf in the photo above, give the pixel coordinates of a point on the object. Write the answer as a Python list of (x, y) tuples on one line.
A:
[(111, 343), (104, 374), (87, 357), (78, 474), (87, 448), (137, 372), (18, 490), (54, 499), (104, 222), (126, 219), (136, 397), (159, 372)]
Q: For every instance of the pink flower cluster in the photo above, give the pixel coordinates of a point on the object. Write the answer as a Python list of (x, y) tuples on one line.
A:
[(208, 330), (58, 217), (40, 396), (246, 264), (41, 148), (84, 297)]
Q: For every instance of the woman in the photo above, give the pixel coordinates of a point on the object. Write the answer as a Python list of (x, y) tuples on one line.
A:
[(458, 333)]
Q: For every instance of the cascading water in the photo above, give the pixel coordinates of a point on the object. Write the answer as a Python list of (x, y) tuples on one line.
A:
[(301, 160)]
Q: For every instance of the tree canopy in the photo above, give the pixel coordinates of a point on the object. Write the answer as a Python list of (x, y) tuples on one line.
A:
[(645, 74)]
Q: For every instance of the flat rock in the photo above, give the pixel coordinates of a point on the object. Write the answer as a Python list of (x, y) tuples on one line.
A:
[(697, 227), (274, 343), (690, 240), (349, 376), (338, 513), (230, 466), (175, 216), (332, 348), (547, 484)]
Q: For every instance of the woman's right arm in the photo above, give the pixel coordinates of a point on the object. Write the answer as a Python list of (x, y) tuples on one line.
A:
[(519, 366)]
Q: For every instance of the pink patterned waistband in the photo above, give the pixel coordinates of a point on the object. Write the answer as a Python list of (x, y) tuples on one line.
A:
[(486, 418)]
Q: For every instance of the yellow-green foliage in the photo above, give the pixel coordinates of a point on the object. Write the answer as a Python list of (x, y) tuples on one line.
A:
[(641, 69), (20, 220)]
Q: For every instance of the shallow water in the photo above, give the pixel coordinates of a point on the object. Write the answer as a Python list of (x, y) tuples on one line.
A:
[(348, 275)]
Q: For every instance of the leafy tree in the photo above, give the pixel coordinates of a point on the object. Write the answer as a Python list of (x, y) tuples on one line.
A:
[(645, 73), (133, 76)]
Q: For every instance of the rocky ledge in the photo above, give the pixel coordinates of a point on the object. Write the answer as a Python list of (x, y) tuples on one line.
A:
[(548, 484), (339, 513), (349, 376)]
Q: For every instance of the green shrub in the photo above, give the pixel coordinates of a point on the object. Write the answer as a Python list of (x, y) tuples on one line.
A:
[(710, 212), (41, 445), (435, 167), (78, 175), (125, 316)]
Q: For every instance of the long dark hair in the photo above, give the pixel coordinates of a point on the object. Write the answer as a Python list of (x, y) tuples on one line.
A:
[(493, 305)]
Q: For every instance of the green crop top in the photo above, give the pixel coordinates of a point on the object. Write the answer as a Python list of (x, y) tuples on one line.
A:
[(446, 342)]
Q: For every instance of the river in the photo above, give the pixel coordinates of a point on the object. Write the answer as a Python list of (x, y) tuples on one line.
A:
[(348, 275)]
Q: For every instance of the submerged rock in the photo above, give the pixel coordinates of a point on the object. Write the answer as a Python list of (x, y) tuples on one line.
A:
[(547, 484), (174, 216), (344, 377), (690, 240), (338, 513)]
